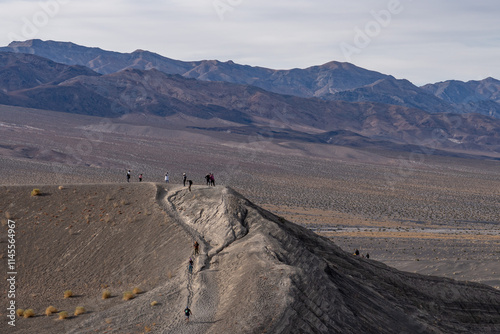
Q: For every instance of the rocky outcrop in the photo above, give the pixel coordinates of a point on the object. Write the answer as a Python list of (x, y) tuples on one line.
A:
[(276, 277)]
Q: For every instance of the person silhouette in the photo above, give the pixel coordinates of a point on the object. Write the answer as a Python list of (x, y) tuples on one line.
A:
[(187, 313)]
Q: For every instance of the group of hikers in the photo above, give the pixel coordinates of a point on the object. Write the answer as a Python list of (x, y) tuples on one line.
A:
[(356, 252), (196, 250), (129, 174), (210, 179), (185, 180)]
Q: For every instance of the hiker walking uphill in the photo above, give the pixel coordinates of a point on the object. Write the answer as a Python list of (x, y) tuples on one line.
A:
[(166, 178), (196, 247), (128, 176), (187, 313), (184, 179), (190, 266), (190, 183)]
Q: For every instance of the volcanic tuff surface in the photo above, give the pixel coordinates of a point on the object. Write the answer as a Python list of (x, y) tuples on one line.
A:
[(256, 271)]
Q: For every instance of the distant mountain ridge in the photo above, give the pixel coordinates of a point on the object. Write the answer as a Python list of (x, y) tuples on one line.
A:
[(330, 81), (482, 96), (315, 81), (250, 110), (25, 71)]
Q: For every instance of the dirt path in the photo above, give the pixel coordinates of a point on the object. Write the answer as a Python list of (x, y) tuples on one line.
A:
[(202, 285)]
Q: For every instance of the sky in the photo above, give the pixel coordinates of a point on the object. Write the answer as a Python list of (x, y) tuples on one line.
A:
[(424, 41)]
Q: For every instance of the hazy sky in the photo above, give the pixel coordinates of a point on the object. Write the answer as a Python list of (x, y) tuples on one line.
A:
[(422, 40)]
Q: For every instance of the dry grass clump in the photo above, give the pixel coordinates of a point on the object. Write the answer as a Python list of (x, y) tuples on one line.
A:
[(28, 313), (49, 310), (127, 295), (63, 315), (79, 310), (35, 192), (137, 291), (61, 187), (20, 312), (154, 303), (106, 294), (68, 294)]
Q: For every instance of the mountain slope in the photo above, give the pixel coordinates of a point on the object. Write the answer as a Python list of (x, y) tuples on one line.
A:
[(398, 92), (481, 97), (23, 71)]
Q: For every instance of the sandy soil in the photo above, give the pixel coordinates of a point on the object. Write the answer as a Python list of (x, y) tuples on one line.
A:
[(89, 238)]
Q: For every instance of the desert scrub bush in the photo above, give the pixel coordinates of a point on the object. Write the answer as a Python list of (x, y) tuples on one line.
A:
[(20, 312), (79, 310), (137, 291), (106, 294), (63, 315), (154, 303), (35, 192), (127, 295), (68, 294), (49, 310), (61, 187), (28, 313)]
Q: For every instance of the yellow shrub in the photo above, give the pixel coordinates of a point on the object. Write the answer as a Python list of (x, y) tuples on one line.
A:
[(50, 310), (106, 294), (29, 313), (128, 295), (79, 310)]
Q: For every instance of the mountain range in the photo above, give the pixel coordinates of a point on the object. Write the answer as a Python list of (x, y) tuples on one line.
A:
[(331, 81), (332, 103)]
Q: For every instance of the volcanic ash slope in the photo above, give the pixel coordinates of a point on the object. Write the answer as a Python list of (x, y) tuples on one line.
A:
[(259, 273), (256, 272)]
